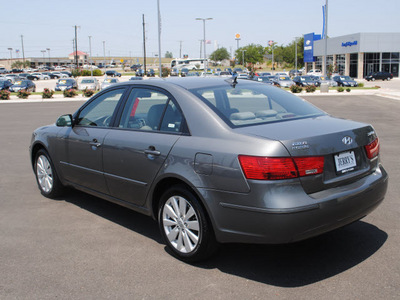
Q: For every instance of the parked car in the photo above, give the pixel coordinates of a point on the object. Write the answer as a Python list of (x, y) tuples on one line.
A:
[(264, 74), (11, 77), (3, 70), (139, 72), (214, 161), (223, 74), (108, 82), (16, 70), (277, 74), (5, 84), (322, 79), (23, 85), (59, 68), (136, 78), (31, 77), (283, 81), (293, 73), (51, 75), (151, 73), (89, 83), (66, 84), (379, 75), (59, 75), (304, 80), (22, 76), (113, 73), (345, 81), (69, 74), (174, 72), (316, 72), (229, 70), (264, 79), (193, 74), (135, 67), (184, 72)]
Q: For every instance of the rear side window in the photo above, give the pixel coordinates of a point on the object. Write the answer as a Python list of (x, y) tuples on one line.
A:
[(245, 104)]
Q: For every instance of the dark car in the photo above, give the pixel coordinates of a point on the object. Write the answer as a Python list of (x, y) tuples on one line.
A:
[(17, 71), (304, 80), (139, 73), (51, 75), (135, 67), (214, 160), (379, 75), (345, 81), (23, 85), (136, 78), (31, 76), (66, 84), (151, 73), (113, 73), (184, 72), (293, 73), (69, 74), (5, 85), (229, 70)]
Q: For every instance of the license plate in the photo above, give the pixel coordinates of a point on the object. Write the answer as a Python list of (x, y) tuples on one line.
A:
[(345, 161)]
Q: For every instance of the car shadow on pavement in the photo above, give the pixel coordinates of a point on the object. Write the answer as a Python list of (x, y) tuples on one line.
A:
[(117, 214), (301, 263), (289, 265)]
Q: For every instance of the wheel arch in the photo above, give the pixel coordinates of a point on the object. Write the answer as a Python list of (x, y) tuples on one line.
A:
[(34, 150)]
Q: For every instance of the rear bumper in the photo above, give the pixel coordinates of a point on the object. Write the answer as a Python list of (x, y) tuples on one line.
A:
[(291, 215)]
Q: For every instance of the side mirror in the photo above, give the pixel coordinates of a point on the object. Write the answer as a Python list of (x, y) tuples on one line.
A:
[(65, 121)]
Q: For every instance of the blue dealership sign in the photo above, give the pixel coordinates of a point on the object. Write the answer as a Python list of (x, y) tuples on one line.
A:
[(309, 46)]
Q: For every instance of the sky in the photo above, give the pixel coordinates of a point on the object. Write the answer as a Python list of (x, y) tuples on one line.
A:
[(50, 24)]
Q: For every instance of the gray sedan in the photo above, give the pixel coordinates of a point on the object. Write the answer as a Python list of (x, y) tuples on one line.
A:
[(214, 161)]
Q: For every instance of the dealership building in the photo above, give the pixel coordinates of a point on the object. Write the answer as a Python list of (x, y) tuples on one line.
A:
[(355, 55)]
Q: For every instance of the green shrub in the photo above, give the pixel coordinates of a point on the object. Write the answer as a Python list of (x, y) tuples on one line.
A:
[(340, 89), (310, 88), (5, 95), (296, 89), (360, 84), (165, 72), (88, 92), (80, 72), (70, 93), (348, 90), (23, 94), (47, 93)]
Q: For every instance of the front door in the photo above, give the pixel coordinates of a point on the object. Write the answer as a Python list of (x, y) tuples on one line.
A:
[(85, 142)]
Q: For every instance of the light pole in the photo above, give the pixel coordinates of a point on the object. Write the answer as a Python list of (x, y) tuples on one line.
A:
[(90, 55), (326, 35), (295, 51), (11, 49), (204, 40), (43, 51), (104, 54), (48, 49)]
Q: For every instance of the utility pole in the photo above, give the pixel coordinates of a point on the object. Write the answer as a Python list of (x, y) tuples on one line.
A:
[(201, 47), (48, 49), (144, 46), (326, 37), (76, 47), (204, 40), (23, 52), (104, 54)]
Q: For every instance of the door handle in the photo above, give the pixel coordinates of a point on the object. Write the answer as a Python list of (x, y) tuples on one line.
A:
[(152, 151), (95, 143)]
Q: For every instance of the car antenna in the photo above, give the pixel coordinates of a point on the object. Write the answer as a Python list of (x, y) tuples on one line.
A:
[(232, 81)]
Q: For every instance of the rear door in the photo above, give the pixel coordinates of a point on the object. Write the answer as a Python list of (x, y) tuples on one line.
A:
[(149, 126)]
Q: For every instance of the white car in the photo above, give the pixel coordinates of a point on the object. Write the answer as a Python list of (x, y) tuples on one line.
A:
[(108, 81), (41, 76), (89, 83), (60, 75), (59, 68), (316, 72)]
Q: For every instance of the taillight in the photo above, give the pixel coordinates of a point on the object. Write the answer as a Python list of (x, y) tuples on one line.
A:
[(372, 149), (275, 168)]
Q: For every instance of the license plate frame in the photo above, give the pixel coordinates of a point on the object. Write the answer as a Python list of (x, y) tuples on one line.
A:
[(345, 162)]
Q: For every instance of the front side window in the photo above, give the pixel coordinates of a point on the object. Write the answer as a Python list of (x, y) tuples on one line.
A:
[(100, 111), (151, 110)]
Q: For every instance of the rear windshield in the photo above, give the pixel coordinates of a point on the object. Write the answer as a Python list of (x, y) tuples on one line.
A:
[(246, 105)]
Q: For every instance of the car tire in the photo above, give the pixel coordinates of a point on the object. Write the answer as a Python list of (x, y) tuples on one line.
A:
[(46, 176), (373, 79), (185, 226), (388, 78)]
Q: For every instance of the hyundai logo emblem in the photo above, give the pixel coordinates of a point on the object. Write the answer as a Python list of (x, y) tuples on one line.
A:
[(347, 140)]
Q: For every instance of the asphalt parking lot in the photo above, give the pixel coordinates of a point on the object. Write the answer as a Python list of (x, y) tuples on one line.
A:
[(81, 247)]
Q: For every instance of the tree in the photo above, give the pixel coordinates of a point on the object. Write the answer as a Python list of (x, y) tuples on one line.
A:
[(19, 64), (220, 54), (168, 54), (253, 54)]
